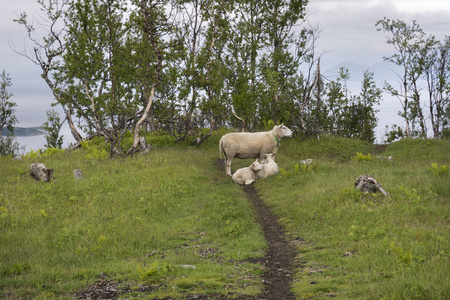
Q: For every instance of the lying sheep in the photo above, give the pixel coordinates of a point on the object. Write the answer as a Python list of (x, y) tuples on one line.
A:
[(270, 167), (247, 175), (251, 145)]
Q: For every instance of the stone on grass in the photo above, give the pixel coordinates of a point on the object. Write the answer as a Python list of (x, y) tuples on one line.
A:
[(40, 173), (367, 183), (77, 174)]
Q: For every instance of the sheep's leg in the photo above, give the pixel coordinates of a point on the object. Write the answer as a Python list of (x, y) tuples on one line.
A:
[(228, 165), (249, 181), (262, 158)]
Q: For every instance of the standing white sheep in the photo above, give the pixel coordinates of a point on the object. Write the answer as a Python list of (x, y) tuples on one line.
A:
[(247, 175), (251, 144), (270, 167)]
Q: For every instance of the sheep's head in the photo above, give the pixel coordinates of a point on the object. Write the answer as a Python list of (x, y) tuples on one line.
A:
[(270, 157), (282, 131), (256, 166)]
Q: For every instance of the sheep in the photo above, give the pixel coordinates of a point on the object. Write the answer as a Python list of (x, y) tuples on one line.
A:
[(247, 175), (251, 145), (270, 167)]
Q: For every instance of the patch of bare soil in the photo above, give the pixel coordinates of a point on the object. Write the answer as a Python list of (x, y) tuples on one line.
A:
[(379, 148), (109, 289)]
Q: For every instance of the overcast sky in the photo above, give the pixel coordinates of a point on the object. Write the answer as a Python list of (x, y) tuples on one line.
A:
[(348, 36)]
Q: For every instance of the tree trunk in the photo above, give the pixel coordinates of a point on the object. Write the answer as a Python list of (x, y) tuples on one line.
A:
[(76, 135), (133, 148), (405, 106)]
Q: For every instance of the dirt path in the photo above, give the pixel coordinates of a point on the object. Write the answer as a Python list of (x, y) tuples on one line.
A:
[(280, 256), (278, 261)]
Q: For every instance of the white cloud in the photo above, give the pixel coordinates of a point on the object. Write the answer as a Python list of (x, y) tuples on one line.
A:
[(414, 6), (349, 32)]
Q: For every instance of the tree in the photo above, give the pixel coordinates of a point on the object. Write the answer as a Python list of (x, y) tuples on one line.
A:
[(404, 38), (337, 100), (178, 65), (306, 82), (97, 64), (157, 28), (437, 76), (362, 120), (422, 58), (241, 58), (8, 145), (48, 50), (53, 127), (279, 65)]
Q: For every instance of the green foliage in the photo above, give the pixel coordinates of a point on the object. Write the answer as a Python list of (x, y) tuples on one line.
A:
[(32, 154), (155, 272), (94, 150), (8, 144), (359, 157), (52, 127), (421, 57), (269, 125), (299, 169), (439, 170), (394, 134), (405, 257), (52, 152)]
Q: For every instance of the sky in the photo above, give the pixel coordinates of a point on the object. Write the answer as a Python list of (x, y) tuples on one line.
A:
[(348, 38)]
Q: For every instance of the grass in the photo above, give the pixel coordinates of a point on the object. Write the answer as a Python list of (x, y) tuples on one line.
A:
[(354, 245), (173, 221), (137, 219)]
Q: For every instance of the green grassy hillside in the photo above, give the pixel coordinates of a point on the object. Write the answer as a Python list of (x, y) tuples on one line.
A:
[(366, 246), (171, 223)]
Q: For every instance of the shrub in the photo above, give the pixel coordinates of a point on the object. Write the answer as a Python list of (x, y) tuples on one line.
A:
[(361, 157), (439, 170)]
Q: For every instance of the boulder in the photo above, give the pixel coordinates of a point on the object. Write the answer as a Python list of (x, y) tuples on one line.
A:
[(77, 174), (40, 173), (367, 183)]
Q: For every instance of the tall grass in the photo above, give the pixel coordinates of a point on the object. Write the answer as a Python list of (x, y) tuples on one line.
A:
[(354, 245)]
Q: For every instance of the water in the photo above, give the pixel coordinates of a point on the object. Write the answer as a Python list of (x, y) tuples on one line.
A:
[(36, 142)]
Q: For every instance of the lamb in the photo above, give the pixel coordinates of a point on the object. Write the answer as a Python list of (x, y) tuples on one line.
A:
[(270, 167), (251, 144), (247, 175)]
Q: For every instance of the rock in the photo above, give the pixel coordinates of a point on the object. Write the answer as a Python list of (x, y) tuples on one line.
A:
[(306, 161), (40, 172), (367, 183), (388, 158), (77, 174), (188, 267)]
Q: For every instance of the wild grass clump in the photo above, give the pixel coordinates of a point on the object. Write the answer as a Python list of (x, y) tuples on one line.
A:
[(439, 170), (359, 157)]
